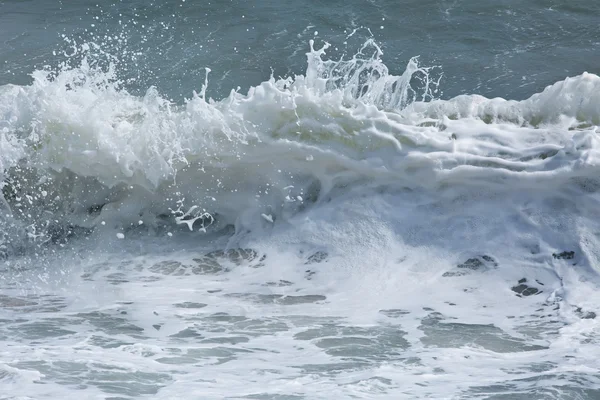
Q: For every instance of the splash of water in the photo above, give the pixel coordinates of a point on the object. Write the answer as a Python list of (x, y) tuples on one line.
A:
[(78, 150)]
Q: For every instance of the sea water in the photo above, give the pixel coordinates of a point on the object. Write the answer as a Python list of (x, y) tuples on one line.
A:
[(299, 200)]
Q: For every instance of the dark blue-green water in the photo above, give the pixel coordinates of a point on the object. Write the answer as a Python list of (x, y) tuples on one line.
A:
[(507, 48)]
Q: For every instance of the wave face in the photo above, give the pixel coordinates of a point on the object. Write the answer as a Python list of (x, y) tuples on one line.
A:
[(87, 144), (368, 233), (77, 148)]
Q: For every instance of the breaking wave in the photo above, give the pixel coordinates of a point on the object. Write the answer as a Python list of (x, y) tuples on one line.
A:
[(78, 152)]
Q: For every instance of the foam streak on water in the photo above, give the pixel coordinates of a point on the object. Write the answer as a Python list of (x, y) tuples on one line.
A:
[(335, 234)]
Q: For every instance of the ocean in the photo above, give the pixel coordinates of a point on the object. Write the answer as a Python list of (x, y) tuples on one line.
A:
[(299, 200)]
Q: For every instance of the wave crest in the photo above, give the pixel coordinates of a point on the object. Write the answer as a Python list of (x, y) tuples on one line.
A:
[(79, 149)]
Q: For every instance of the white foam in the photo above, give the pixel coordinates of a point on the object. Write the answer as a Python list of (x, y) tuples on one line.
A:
[(566, 104), (410, 229), (234, 158)]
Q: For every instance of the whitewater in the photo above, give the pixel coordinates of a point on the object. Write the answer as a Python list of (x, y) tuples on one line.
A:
[(341, 233)]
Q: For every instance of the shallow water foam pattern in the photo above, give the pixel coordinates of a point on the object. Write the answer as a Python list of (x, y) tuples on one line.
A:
[(293, 318)]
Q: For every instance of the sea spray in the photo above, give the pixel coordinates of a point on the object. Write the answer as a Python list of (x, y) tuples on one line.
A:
[(101, 153)]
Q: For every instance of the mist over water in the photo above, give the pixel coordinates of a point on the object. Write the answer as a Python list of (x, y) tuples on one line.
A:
[(289, 201)]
